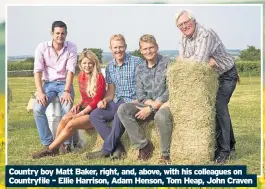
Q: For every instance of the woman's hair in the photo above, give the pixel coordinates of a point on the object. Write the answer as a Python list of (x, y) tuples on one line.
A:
[(92, 82)]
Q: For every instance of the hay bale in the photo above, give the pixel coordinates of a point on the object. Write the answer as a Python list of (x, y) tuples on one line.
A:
[(192, 96)]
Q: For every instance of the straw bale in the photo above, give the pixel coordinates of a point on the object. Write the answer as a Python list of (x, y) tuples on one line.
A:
[(192, 96)]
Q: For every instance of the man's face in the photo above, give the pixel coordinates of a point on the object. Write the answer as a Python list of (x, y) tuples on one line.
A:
[(59, 35), (118, 49), (186, 25), (149, 51)]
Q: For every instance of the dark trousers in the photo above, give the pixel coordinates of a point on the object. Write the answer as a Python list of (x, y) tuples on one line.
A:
[(225, 134), (111, 135)]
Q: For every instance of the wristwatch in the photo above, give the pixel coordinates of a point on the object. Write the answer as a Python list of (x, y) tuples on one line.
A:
[(151, 108), (68, 91)]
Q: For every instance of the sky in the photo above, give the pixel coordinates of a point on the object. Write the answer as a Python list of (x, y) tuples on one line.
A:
[(90, 26)]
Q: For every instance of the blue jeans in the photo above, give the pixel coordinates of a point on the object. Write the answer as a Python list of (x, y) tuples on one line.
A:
[(51, 90)]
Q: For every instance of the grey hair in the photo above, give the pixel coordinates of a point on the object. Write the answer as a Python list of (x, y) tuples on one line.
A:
[(181, 12)]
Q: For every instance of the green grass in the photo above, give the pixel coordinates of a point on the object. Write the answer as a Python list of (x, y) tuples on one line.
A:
[(23, 138)]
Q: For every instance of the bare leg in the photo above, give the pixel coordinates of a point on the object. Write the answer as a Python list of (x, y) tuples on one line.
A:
[(66, 118), (82, 122)]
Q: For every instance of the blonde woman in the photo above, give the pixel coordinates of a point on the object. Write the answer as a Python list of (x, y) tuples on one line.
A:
[(92, 88)]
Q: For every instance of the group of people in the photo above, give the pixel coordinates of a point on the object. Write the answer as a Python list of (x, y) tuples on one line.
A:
[(133, 91)]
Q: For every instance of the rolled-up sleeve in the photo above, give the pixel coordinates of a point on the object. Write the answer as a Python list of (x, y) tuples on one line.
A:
[(39, 59), (72, 59), (140, 92), (164, 97)]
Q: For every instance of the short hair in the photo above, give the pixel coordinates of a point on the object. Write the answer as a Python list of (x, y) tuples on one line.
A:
[(147, 38), (181, 12), (60, 24), (118, 37)]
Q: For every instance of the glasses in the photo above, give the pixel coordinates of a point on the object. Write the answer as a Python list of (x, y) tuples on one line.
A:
[(184, 23)]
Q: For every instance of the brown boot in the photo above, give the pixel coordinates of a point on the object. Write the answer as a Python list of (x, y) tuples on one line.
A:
[(146, 152), (165, 160), (45, 152)]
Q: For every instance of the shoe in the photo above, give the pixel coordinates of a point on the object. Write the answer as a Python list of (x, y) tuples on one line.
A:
[(232, 147), (119, 152), (222, 159), (45, 152), (96, 155), (77, 146), (164, 160), (146, 152), (67, 148)]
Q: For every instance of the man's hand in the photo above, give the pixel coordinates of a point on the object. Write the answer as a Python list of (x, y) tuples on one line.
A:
[(143, 113), (41, 98), (179, 58), (212, 63), (166, 104), (66, 98), (134, 101), (102, 104), (75, 108)]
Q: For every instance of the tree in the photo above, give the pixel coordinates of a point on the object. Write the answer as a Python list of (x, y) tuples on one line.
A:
[(98, 52), (29, 59), (137, 53), (251, 54)]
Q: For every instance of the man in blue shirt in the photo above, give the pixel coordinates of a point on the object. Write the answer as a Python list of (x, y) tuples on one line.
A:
[(120, 89)]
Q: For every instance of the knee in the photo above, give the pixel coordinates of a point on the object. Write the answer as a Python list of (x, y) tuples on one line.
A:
[(67, 107), (38, 108), (94, 114), (126, 109), (70, 126), (162, 117), (121, 110)]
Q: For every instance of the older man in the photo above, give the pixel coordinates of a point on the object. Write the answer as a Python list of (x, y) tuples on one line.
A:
[(121, 88), (202, 45), (152, 93), (54, 64)]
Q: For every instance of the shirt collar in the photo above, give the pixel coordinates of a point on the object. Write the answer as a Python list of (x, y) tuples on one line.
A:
[(126, 60), (64, 44), (158, 58)]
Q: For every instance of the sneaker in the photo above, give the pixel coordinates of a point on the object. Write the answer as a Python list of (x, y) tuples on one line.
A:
[(45, 152), (222, 159), (96, 155), (146, 152), (119, 152), (165, 160)]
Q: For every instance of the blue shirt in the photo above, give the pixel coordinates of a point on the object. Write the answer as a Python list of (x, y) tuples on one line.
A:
[(123, 77)]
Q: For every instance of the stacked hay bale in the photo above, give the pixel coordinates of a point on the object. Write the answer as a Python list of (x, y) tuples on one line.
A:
[(192, 97)]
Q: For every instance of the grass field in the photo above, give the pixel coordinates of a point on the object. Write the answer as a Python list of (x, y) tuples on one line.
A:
[(23, 138)]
